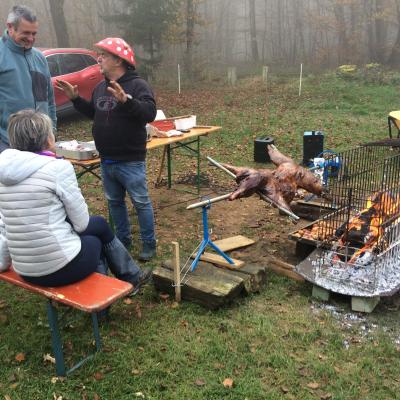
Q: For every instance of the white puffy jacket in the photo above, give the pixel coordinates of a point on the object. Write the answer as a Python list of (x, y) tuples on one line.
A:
[(5, 259), (37, 195)]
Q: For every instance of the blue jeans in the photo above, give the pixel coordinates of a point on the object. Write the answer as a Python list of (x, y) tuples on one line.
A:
[(122, 177)]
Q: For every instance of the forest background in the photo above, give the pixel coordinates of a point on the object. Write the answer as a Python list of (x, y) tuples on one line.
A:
[(206, 36)]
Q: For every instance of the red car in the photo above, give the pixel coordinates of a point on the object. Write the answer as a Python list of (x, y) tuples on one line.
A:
[(76, 66)]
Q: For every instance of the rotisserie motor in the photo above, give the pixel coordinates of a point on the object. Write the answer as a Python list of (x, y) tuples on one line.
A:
[(280, 185)]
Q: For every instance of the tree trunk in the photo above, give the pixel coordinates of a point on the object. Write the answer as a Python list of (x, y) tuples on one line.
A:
[(341, 30), (253, 31), (394, 58), (190, 10), (59, 23), (380, 31)]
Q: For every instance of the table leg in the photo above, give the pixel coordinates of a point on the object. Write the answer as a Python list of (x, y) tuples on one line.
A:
[(169, 166), (198, 165), (159, 177)]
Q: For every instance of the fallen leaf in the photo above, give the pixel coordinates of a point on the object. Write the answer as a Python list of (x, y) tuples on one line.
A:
[(228, 383), (326, 396), (49, 358), (20, 357), (313, 385), (175, 304), (96, 397), (98, 376), (128, 301), (138, 311), (184, 323), (199, 382), (140, 348), (135, 372), (14, 386), (218, 366), (284, 389)]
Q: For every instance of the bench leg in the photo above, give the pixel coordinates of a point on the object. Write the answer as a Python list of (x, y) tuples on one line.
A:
[(56, 339), (96, 333)]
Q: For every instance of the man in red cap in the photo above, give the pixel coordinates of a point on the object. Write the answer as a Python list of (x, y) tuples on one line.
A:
[(121, 106)]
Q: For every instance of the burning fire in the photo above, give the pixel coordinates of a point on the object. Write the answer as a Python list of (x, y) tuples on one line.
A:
[(357, 238), (364, 231)]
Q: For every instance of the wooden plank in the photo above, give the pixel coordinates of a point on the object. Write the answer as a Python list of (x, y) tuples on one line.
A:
[(283, 268), (219, 260), (233, 242), (285, 272), (206, 285), (257, 275)]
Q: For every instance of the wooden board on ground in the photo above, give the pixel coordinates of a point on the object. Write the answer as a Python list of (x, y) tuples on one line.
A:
[(210, 286), (219, 260), (234, 242), (283, 268)]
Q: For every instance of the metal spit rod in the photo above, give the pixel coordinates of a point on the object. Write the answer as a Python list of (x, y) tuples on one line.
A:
[(208, 201), (262, 195)]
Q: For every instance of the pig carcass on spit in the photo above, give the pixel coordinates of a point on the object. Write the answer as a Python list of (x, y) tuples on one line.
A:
[(280, 185)]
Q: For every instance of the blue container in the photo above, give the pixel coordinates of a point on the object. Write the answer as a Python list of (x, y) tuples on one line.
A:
[(313, 145)]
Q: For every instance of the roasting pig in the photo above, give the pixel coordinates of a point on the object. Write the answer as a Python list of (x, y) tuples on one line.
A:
[(279, 185)]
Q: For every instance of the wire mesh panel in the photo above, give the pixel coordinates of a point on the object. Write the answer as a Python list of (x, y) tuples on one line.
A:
[(360, 239)]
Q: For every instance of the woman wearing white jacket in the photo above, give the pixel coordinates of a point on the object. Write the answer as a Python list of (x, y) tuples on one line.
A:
[(51, 238)]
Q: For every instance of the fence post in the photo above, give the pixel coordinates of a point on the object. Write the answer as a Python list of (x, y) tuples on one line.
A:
[(179, 79), (265, 74), (232, 75)]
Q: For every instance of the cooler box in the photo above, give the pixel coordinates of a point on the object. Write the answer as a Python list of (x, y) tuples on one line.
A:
[(260, 149), (313, 146)]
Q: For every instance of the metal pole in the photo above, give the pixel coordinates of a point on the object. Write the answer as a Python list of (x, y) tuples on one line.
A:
[(301, 77), (209, 201), (179, 79)]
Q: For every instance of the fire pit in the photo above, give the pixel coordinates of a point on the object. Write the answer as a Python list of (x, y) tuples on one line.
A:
[(358, 245)]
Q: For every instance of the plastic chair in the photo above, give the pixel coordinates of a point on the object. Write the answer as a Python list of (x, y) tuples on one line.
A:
[(394, 120)]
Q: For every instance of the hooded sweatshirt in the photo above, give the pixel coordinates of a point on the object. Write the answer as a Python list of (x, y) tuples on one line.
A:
[(24, 83), (119, 130), (37, 195)]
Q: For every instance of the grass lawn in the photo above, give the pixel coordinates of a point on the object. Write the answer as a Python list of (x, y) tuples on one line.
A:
[(277, 344)]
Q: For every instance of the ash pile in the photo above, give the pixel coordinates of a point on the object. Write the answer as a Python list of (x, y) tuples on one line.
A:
[(357, 246)]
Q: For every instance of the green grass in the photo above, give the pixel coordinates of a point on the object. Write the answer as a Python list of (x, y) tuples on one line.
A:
[(274, 345)]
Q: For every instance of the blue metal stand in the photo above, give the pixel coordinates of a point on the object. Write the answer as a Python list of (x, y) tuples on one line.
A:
[(207, 241)]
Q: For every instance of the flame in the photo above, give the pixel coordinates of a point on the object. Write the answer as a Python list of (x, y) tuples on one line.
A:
[(367, 226)]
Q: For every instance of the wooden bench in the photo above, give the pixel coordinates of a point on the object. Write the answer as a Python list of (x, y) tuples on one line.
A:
[(93, 294)]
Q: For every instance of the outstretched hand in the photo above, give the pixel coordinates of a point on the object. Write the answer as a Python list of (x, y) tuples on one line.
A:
[(116, 90), (71, 91)]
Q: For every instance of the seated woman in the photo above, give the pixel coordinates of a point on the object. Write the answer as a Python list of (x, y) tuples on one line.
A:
[(51, 238)]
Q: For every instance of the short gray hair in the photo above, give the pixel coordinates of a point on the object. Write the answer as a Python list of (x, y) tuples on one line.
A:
[(20, 12), (29, 130)]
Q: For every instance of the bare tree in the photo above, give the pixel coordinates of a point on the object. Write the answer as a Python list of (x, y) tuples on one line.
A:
[(253, 31), (60, 25)]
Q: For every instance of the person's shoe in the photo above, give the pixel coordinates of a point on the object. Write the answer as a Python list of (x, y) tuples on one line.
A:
[(148, 251), (146, 277)]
